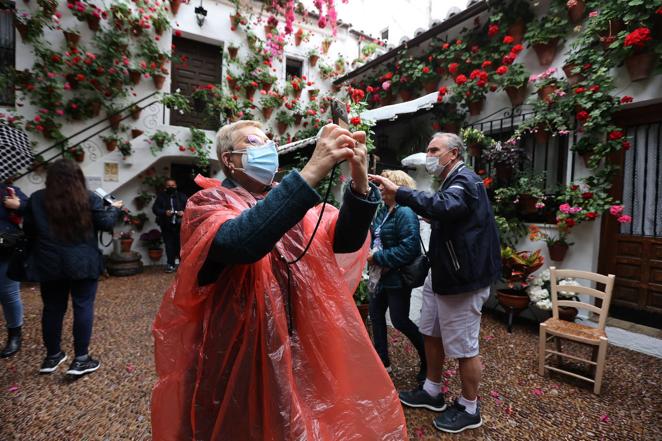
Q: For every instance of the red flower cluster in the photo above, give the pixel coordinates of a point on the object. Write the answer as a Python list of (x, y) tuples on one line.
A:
[(442, 92), (460, 80), (476, 73), (508, 39), (626, 144), (357, 95), (445, 46), (426, 70), (492, 30), (486, 64), (387, 76), (615, 135), (582, 116), (501, 70), (580, 90), (591, 215), (355, 121), (626, 99), (452, 68), (517, 49), (639, 37), (587, 195)]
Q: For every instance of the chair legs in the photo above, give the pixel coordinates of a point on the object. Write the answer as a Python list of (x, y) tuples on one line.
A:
[(602, 356), (542, 345)]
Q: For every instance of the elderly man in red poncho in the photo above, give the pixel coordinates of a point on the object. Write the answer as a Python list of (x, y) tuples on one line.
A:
[(258, 338)]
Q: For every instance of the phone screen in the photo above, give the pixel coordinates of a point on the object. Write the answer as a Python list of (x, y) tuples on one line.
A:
[(339, 114)]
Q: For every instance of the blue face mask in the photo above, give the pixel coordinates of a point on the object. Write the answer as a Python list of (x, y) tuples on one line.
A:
[(260, 163)]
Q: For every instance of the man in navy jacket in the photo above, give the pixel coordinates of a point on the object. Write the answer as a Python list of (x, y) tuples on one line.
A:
[(169, 208), (465, 260)]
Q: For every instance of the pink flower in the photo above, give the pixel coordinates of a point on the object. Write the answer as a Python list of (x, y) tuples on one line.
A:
[(575, 210), (615, 210), (593, 14), (604, 418), (625, 219), (386, 85), (565, 208), (537, 392), (540, 205)]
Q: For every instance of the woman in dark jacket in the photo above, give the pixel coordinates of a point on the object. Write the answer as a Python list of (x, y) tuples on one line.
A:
[(12, 203), (395, 243), (62, 223)]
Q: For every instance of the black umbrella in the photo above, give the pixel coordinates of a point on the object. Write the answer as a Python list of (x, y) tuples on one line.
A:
[(15, 152)]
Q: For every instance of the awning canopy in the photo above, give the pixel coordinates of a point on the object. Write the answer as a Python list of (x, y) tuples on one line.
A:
[(391, 112)]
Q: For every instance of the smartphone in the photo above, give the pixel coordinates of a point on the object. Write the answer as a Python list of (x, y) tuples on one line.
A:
[(108, 198), (339, 114)]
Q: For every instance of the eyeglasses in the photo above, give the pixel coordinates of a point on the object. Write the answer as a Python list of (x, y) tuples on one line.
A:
[(250, 141)]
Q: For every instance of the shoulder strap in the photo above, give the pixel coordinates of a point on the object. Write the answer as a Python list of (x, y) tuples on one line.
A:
[(423, 245)]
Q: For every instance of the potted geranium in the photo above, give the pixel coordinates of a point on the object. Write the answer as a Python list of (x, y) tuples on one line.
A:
[(125, 149), (233, 49), (540, 294), (126, 240), (556, 245), (313, 56), (77, 153), (137, 220), (202, 95), (160, 140), (153, 241), (284, 120), (111, 141), (472, 89), (546, 33), (636, 48), (546, 84), (505, 157), (514, 81), (294, 86), (270, 101)]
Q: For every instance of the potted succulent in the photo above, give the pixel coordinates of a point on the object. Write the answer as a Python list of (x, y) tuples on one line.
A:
[(284, 120), (546, 33), (515, 81), (153, 241)]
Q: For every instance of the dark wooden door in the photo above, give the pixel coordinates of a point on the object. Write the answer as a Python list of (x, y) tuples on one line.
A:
[(633, 252), (204, 66)]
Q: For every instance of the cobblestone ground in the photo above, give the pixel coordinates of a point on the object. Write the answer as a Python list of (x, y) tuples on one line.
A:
[(113, 403)]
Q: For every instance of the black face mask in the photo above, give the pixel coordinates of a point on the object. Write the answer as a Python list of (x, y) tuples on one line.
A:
[(171, 190)]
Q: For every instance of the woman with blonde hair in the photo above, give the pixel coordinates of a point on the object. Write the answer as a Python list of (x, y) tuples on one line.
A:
[(395, 243)]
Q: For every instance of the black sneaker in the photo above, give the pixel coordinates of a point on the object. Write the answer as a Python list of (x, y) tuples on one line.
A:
[(83, 367), (51, 363), (420, 398), (456, 419)]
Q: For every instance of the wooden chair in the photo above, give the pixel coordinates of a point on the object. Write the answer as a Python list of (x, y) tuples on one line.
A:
[(558, 329)]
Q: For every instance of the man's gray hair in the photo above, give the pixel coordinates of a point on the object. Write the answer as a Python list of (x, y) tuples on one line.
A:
[(452, 140)]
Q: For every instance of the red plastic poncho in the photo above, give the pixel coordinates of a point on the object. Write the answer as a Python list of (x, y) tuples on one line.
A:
[(227, 368)]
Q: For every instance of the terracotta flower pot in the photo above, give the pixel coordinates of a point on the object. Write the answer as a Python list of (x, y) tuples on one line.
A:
[(297, 119), (93, 22), (475, 107), (136, 133), (266, 86), (572, 78), (546, 52), (576, 11), (609, 35), (249, 92), (557, 251), (72, 38), (312, 60), (325, 46), (95, 108), (135, 113), (517, 30), (111, 144), (431, 86), (640, 66), (527, 204), (158, 81), (155, 254), (514, 299), (79, 156), (232, 52), (267, 111), (567, 313), (312, 94), (174, 6), (125, 245), (475, 149), (115, 121), (282, 128), (546, 93), (135, 76), (232, 84), (517, 95)]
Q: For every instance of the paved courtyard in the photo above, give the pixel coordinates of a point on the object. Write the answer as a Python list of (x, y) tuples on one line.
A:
[(113, 403)]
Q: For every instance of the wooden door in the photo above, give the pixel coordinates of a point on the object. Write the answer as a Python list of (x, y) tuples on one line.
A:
[(204, 66), (633, 252)]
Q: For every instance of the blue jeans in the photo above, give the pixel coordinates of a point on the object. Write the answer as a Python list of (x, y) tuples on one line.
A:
[(56, 297), (10, 297)]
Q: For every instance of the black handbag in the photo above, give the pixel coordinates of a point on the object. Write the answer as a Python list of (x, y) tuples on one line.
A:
[(9, 241), (17, 269), (414, 273)]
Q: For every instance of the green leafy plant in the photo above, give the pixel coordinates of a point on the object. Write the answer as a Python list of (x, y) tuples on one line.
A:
[(176, 101), (160, 140), (199, 145)]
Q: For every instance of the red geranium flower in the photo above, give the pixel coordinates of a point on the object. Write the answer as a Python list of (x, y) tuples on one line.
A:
[(442, 92), (460, 79), (426, 70), (356, 120), (626, 99), (580, 90), (452, 68), (475, 48), (445, 46), (492, 30), (582, 116), (509, 59), (587, 195), (508, 39), (517, 48), (616, 134), (486, 64), (481, 83), (570, 222), (591, 215), (501, 70), (594, 89), (626, 144), (639, 37)]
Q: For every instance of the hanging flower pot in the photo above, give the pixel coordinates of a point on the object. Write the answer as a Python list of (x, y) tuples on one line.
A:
[(78, 154), (95, 108), (266, 86), (546, 52), (640, 66), (111, 144), (174, 6), (135, 76), (282, 128), (527, 204), (155, 254), (557, 251), (431, 85), (546, 93), (572, 78), (115, 121), (517, 30), (475, 107), (576, 9), (475, 149), (326, 44), (312, 94), (517, 95), (232, 52), (249, 92), (266, 112), (136, 133), (312, 60), (158, 81), (72, 38), (405, 94), (93, 22)]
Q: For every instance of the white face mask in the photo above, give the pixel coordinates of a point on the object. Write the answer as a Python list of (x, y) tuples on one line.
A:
[(433, 166)]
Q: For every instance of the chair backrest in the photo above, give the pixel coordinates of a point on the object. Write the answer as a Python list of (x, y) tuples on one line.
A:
[(605, 296)]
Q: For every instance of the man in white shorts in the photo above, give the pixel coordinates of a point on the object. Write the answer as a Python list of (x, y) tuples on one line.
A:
[(465, 260)]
